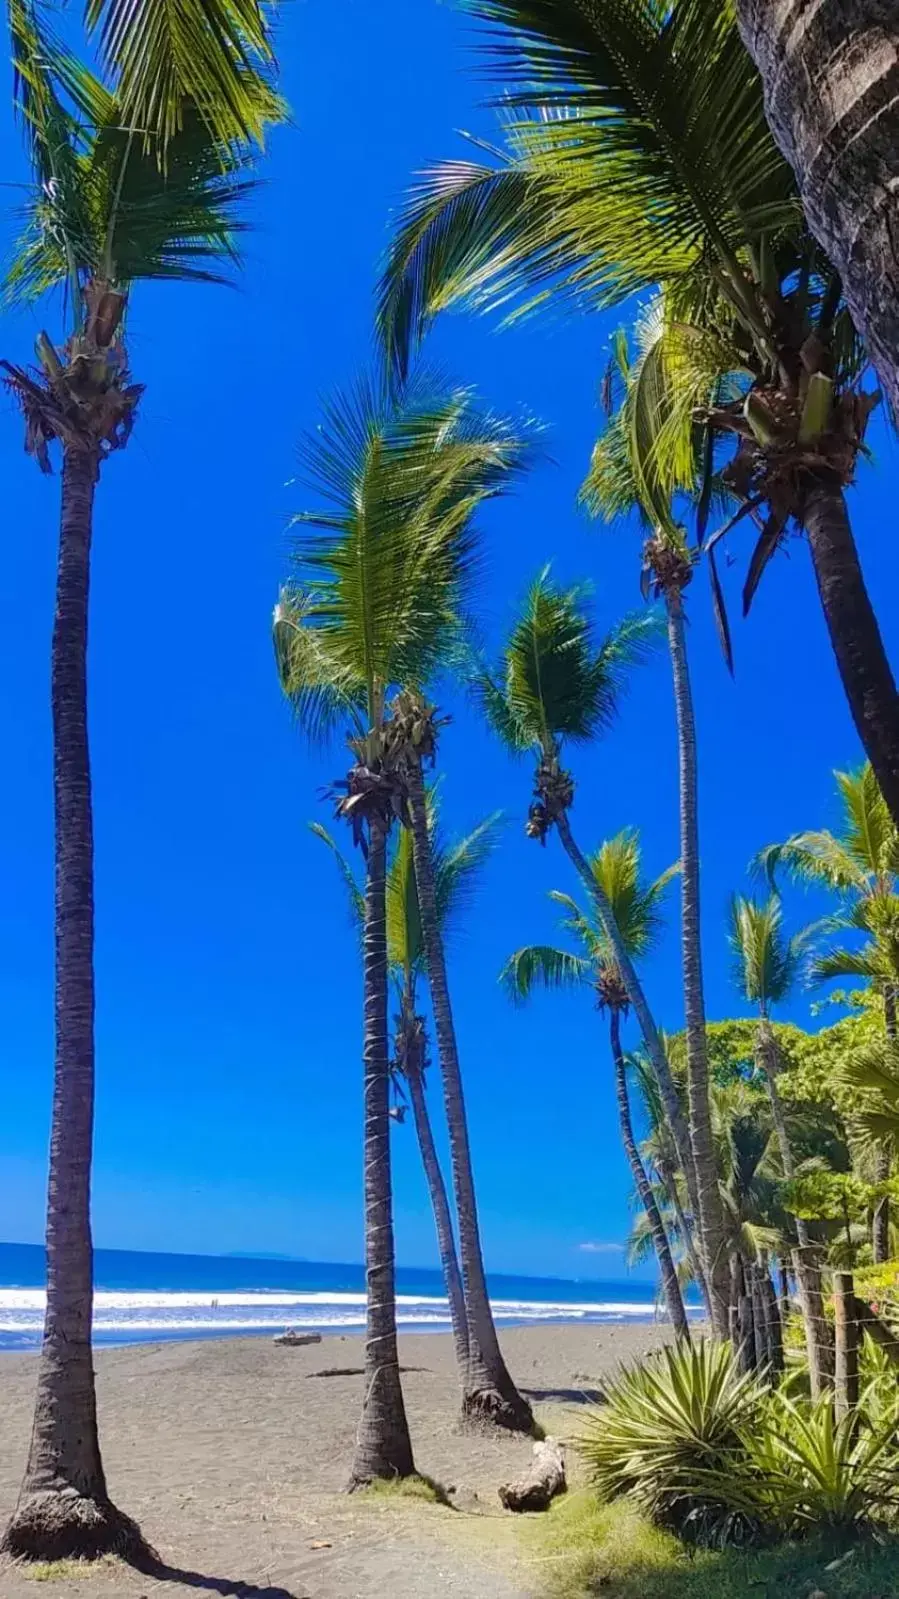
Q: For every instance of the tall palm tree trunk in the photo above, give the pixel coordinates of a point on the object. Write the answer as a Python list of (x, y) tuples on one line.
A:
[(639, 1005), (865, 672), (880, 1227), (64, 1509), (712, 1232), (670, 1284), (831, 78), (489, 1393), (443, 1221), (383, 1448), (818, 1339)]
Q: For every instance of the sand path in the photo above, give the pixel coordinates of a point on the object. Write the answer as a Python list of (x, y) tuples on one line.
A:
[(232, 1455)]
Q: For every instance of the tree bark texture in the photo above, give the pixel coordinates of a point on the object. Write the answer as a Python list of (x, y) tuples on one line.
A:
[(490, 1395), (442, 1218), (540, 1484), (855, 639), (830, 70), (383, 1448), (670, 1285), (64, 1508), (639, 1005), (712, 1231)]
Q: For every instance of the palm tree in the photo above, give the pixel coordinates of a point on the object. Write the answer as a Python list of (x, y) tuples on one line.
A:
[(766, 967), (556, 683), (456, 866), (860, 864), (383, 568), (831, 90), (638, 156), (623, 479), (635, 907), (108, 211)]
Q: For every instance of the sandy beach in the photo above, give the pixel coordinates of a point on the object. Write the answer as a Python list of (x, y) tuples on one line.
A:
[(233, 1456)]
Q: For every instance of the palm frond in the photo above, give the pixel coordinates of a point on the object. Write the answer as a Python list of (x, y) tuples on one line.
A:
[(355, 894), (766, 961), (556, 680), (385, 560), (215, 56), (546, 966)]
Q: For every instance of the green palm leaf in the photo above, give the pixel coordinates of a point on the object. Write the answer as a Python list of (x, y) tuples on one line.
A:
[(215, 56), (766, 961), (544, 965), (385, 560), (556, 681)]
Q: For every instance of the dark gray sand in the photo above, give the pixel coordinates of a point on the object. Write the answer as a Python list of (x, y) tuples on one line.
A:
[(233, 1455)]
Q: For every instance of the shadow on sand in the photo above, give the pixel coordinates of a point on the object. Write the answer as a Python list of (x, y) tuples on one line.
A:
[(229, 1587), (565, 1396)]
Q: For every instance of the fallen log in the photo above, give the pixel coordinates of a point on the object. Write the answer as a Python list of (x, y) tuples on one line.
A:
[(541, 1483), (293, 1339)]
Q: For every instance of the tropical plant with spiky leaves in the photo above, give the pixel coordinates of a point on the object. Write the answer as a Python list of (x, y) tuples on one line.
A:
[(637, 154), (859, 864), (384, 567), (635, 905), (457, 865), (108, 210)]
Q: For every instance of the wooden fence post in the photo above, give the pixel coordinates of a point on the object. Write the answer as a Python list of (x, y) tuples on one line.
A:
[(846, 1326), (775, 1330), (818, 1340)]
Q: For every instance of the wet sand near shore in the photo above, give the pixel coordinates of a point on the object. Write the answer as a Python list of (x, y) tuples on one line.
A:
[(233, 1456)]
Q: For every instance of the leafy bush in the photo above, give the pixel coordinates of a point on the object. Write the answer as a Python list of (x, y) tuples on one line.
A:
[(672, 1433), (713, 1455)]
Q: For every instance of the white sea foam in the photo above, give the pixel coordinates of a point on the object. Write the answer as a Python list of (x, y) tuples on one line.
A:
[(174, 1314)]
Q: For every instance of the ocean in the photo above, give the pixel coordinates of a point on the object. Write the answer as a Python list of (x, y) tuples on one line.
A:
[(150, 1298)]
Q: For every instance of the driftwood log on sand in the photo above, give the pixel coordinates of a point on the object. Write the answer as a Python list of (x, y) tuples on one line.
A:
[(541, 1483), (294, 1339)]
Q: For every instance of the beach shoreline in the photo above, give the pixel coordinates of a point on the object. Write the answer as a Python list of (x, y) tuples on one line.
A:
[(233, 1455)]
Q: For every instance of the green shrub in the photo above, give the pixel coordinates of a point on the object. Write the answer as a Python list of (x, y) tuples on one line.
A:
[(671, 1434), (716, 1457)]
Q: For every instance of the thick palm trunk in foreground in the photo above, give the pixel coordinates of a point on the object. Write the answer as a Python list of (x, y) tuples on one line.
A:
[(442, 1219), (638, 1002), (670, 1284), (818, 1339), (64, 1509), (710, 1215), (383, 1448), (865, 672), (489, 1393), (831, 76)]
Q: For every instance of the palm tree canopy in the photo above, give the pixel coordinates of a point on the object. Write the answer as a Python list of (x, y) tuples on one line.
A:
[(384, 562), (635, 905), (216, 56), (103, 207), (859, 859), (766, 961), (457, 866), (556, 680), (636, 150), (871, 1076)]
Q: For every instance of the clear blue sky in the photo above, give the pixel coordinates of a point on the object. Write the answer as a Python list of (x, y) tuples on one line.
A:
[(228, 1025)]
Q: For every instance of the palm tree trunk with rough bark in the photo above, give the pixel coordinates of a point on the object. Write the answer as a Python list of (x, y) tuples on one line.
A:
[(670, 1284), (710, 1214), (64, 1509), (855, 639), (818, 1339), (638, 1002), (383, 1448), (831, 78), (489, 1395), (442, 1218)]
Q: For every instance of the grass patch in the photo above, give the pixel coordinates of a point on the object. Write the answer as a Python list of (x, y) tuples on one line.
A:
[(423, 1489), (67, 1570), (581, 1548)]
